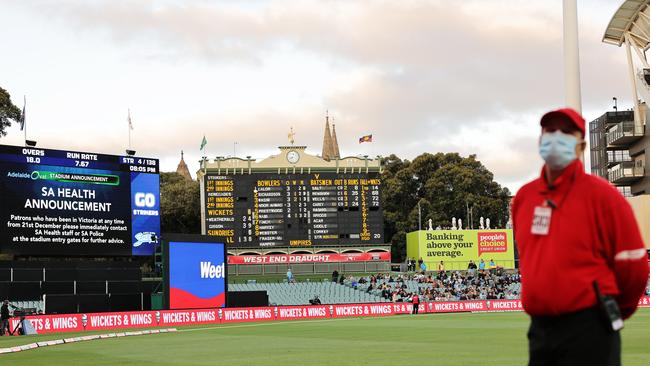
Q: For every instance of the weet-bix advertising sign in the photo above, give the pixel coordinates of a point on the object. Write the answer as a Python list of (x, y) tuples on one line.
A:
[(197, 275)]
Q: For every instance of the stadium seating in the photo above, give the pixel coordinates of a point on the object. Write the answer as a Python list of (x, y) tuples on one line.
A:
[(454, 285), (37, 305), (300, 293)]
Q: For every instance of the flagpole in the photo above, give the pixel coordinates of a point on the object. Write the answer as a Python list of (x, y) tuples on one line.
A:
[(203, 163), (203, 157), (129, 127), (23, 116)]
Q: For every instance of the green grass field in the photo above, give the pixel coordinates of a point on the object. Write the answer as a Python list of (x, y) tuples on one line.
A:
[(440, 339)]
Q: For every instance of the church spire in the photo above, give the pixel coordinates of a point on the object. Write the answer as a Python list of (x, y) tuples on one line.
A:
[(182, 169), (327, 153), (335, 144)]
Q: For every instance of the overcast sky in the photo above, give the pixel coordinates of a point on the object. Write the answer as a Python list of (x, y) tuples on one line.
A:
[(422, 76)]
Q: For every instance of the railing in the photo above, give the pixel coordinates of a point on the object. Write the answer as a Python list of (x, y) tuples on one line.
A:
[(624, 129), (625, 170), (616, 159), (625, 191)]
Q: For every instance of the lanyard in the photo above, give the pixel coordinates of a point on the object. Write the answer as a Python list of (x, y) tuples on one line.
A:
[(554, 205), (541, 222)]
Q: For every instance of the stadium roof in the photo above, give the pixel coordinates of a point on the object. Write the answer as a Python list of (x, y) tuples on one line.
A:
[(633, 17)]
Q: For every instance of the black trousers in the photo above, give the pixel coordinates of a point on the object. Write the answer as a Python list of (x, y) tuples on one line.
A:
[(4, 324), (575, 339), (415, 308)]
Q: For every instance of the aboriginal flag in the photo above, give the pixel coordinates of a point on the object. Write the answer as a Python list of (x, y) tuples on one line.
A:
[(366, 138)]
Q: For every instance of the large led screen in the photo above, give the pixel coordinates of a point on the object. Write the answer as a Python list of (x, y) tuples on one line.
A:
[(70, 203), (196, 274)]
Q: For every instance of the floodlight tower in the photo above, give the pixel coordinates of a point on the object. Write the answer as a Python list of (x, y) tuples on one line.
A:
[(572, 92)]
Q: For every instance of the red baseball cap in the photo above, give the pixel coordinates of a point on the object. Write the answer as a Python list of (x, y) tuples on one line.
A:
[(566, 114)]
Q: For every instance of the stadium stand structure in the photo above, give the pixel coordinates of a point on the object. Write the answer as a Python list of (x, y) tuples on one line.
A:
[(74, 286), (452, 286)]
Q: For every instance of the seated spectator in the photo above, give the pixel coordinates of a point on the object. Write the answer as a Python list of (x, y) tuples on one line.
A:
[(335, 276), (385, 293), (493, 266)]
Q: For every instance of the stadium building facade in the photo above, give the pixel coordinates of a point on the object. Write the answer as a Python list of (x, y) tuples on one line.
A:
[(620, 148)]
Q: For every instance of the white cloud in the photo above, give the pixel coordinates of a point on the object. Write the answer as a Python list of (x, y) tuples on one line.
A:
[(422, 76)]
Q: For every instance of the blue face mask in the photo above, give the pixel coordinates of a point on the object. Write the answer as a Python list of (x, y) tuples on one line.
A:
[(558, 149)]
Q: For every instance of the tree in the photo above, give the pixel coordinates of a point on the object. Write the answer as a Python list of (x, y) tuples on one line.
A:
[(8, 112), (180, 204), (445, 186)]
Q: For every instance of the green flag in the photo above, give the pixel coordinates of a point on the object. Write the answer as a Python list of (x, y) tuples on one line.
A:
[(203, 143)]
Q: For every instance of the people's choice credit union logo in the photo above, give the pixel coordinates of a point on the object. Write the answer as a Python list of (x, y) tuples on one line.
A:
[(492, 242)]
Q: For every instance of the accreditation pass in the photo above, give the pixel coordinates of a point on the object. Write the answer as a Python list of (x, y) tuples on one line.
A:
[(541, 220)]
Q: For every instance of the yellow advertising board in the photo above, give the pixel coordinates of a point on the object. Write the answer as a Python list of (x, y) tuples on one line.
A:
[(457, 247)]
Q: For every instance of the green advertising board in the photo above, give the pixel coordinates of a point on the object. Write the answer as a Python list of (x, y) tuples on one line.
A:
[(457, 247)]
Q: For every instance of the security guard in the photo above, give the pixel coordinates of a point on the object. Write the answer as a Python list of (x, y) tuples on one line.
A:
[(582, 260)]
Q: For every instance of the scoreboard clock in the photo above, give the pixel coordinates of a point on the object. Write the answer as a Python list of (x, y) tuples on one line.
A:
[(302, 210), (293, 157)]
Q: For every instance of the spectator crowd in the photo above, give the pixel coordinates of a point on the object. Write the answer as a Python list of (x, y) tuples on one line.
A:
[(442, 286), (475, 283)]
